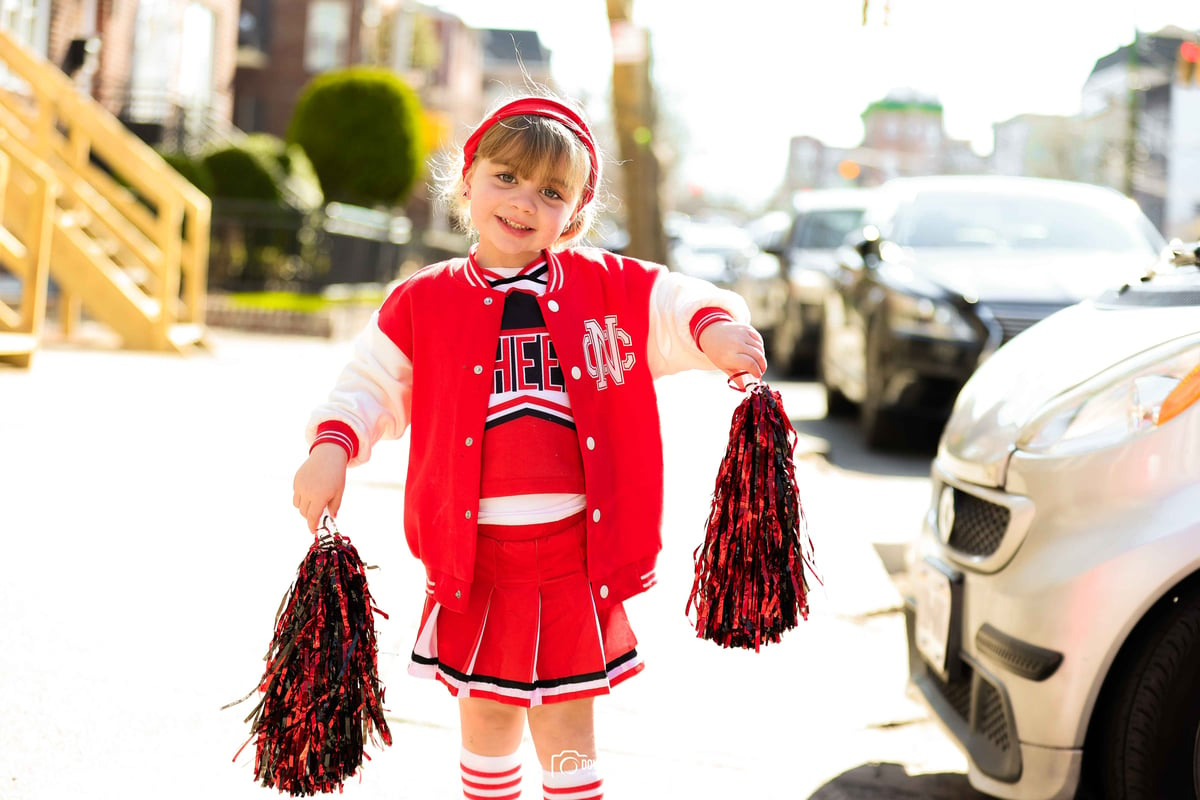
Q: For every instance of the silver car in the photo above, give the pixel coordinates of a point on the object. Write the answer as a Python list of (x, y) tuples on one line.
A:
[(1053, 594), (787, 303)]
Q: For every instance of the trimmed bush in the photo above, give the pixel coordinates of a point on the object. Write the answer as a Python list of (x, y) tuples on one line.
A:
[(264, 194), (193, 169), (263, 167), (361, 128)]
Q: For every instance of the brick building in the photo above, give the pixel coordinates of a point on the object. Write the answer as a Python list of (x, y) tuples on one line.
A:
[(164, 67), (282, 44)]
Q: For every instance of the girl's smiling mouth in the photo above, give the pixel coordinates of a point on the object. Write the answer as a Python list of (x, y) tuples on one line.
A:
[(514, 225)]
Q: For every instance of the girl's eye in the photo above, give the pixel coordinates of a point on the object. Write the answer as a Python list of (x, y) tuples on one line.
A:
[(552, 194), (505, 177)]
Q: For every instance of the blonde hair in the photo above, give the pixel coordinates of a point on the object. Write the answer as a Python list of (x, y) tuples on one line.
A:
[(535, 147)]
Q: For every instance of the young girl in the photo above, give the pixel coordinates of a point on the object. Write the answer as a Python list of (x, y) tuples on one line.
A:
[(535, 489)]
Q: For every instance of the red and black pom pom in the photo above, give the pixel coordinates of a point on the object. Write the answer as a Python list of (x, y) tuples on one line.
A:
[(322, 699), (750, 583)]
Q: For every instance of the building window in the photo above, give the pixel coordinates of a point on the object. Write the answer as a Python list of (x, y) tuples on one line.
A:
[(891, 128), (327, 37), (27, 21), (155, 61), (250, 112)]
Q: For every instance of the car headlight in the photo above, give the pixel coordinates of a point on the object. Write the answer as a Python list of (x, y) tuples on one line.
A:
[(762, 266), (922, 316), (1126, 400), (709, 266)]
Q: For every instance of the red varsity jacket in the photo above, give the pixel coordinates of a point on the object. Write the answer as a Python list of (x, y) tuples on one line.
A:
[(617, 323)]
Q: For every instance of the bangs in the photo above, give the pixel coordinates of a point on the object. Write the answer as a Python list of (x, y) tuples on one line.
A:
[(537, 148)]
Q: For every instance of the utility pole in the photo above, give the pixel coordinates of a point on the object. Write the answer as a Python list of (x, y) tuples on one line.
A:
[(633, 114), (1131, 121)]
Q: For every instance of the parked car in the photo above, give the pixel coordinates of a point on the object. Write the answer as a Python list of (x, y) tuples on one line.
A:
[(947, 269), (1053, 593), (787, 303), (715, 250)]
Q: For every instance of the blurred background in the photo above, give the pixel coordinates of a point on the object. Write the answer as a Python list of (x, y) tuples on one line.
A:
[(306, 130)]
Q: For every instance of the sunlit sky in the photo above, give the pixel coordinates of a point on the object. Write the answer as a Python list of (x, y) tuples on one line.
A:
[(737, 79)]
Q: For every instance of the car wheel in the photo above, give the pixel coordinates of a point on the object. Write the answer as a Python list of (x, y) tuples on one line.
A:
[(785, 343), (877, 421), (1149, 742), (1196, 764), (836, 403)]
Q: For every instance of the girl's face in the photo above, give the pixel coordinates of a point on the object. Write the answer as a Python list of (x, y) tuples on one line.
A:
[(516, 217)]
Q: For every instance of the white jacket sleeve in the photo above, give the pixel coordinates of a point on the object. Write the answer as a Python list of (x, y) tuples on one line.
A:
[(674, 301), (373, 393)]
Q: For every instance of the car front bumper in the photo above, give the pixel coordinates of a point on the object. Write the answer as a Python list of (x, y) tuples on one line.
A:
[(975, 711), (1048, 580), (924, 375)]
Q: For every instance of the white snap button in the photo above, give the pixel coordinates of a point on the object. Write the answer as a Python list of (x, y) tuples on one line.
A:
[(591, 443), (604, 591), (575, 373), (552, 305), (458, 594), (468, 515), (487, 301), (478, 370), (470, 441), (595, 515)]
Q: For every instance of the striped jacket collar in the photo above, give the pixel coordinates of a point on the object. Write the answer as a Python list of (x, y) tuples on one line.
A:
[(477, 276)]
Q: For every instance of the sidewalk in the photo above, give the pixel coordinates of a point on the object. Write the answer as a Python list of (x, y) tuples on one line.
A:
[(149, 536)]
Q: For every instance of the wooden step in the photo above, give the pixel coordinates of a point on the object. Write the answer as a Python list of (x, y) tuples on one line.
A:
[(17, 348), (17, 342), (186, 334)]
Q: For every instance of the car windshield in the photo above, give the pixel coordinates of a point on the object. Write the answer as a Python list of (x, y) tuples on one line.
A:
[(716, 238), (825, 229), (1007, 220)]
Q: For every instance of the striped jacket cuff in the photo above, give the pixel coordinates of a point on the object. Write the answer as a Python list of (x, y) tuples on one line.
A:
[(705, 317), (339, 433)]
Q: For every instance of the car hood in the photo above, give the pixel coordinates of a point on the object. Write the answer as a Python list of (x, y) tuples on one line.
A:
[(1057, 277), (1053, 356), (810, 260)]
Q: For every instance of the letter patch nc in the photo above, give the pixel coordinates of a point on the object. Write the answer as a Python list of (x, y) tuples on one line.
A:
[(606, 351)]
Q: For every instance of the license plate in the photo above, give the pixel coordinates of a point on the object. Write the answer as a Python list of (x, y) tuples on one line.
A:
[(937, 592)]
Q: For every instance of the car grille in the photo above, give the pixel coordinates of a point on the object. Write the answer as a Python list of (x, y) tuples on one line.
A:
[(984, 721), (957, 692), (1013, 318), (990, 719), (979, 526)]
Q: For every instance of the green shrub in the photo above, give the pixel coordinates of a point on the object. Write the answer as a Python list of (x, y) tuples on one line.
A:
[(193, 169), (361, 127), (263, 167), (264, 193)]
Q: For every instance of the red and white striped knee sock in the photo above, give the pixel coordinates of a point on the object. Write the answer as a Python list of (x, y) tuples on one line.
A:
[(490, 777), (582, 784)]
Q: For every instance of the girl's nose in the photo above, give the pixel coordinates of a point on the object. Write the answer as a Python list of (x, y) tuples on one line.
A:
[(524, 198)]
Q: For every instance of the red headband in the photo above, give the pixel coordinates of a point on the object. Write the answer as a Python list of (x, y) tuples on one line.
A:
[(540, 107)]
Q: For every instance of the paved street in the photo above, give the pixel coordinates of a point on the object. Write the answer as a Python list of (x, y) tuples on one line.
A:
[(148, 537)]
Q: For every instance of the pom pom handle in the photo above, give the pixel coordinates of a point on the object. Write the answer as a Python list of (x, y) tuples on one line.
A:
[(738, 381), (327, 528)]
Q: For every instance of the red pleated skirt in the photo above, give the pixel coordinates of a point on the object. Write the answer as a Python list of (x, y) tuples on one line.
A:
[(531, 633)]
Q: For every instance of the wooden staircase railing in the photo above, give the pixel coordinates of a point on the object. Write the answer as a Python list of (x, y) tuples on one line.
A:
[(28, 190), (130, 235)]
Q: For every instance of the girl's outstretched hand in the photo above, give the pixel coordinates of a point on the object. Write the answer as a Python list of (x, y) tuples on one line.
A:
[(734, 347), (319, 483)]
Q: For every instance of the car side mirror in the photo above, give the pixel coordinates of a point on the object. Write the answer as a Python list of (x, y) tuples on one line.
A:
[(867, 245)]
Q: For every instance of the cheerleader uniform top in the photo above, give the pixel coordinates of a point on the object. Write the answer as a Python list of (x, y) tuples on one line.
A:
[(440, 360)]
